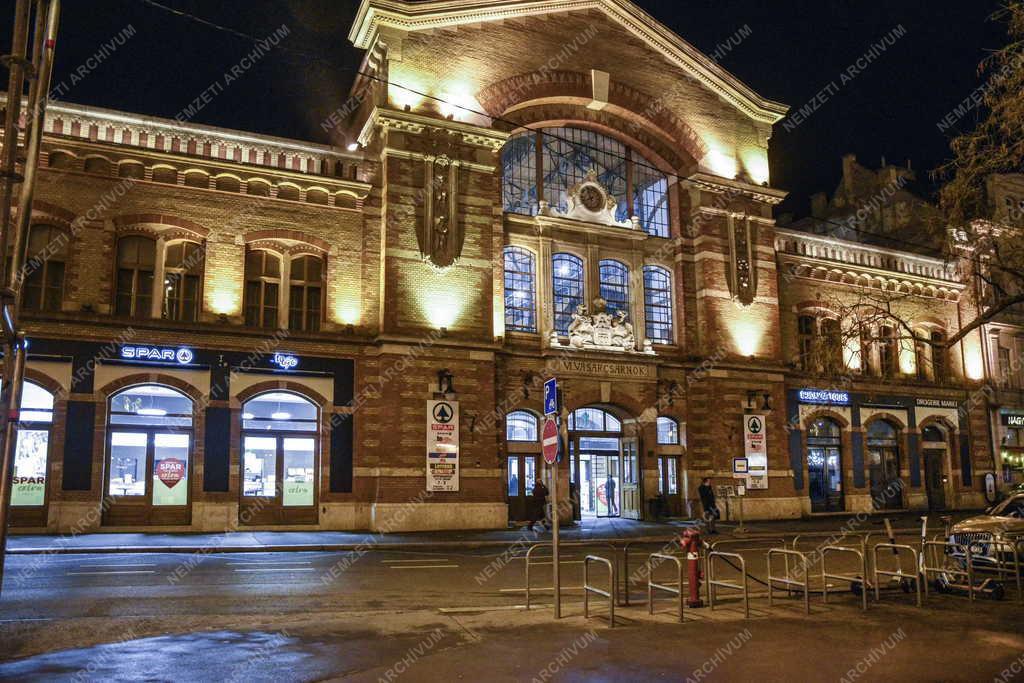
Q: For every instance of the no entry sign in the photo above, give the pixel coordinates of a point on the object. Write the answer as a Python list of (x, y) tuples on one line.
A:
[(549, 439)]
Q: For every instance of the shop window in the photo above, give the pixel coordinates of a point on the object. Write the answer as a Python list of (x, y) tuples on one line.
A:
[(593, 420), (183, 268), (567, 289), (521, 426), (658, 304), (279, 448), (262, 288), (668, 431), (520, 274), (136, 262), (43, 271), (305, 292), (32, 444), (614, 285)]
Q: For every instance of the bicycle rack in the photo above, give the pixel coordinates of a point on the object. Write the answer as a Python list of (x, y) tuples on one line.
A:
[(967, 574), (651, 586), (825, 575), (566, 544), (786, 581), (588, 589), (897, 574), (712, 583)]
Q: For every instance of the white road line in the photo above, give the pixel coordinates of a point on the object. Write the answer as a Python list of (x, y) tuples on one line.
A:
[(261, 563), (105, 566), (144, 571), (426, 566), (538, 590), (278, 569), (425, 559)]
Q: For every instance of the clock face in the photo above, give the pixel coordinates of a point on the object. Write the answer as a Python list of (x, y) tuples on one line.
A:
[(591, 197)]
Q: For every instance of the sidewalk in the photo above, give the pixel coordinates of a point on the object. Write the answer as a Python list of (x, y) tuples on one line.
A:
[(610, 530)]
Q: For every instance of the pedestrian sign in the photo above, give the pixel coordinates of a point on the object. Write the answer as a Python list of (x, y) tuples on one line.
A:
[(551, 396)]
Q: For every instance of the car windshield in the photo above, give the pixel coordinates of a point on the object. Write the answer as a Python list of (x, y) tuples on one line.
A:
[(1011, 507)]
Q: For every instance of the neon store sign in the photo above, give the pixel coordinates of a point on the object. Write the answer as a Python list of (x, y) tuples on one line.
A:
[(158, 354), (824, 396), (285, 361)]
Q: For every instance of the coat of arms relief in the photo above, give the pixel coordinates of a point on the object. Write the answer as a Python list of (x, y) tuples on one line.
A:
[(601, 330)]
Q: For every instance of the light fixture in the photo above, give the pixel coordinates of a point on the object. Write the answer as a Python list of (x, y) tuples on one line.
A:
[(445, 381), (352, 146), (247, 416), (280, 415), (153, 412)]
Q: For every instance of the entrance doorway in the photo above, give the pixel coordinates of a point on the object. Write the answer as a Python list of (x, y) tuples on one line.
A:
[(884, 466), (279, 460), (936, 450), (825, 466), (522, 475), (604, 466)]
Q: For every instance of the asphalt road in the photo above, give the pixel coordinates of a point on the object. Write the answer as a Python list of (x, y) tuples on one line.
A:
[(450, 616)]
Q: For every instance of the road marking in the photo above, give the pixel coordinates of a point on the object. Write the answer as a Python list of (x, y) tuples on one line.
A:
[(426, 566), (278, 569), (262, 562), (425, 559), (502, 608), (537, 590), (144, 571), (105, 566)]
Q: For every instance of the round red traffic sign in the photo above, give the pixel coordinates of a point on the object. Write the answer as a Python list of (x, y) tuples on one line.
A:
[(549, 439)]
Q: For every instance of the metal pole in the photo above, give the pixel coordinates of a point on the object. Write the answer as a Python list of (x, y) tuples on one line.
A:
[(563, 433)]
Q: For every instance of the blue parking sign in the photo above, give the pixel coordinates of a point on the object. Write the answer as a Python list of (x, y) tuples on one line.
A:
[(551, 396)]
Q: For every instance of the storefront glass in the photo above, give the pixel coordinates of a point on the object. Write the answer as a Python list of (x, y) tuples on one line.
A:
[(31, 447)]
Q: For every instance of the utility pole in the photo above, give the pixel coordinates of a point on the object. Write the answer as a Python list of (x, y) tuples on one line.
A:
[(35, 67)]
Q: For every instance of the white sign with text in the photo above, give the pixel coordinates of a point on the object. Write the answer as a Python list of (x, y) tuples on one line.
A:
[(443, 446)]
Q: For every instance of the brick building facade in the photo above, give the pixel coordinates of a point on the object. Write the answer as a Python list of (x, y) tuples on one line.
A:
[(235, 330)]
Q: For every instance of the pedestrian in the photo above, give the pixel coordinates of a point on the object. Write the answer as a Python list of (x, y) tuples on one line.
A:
[(613, 502), (540, 504), (707, 501)]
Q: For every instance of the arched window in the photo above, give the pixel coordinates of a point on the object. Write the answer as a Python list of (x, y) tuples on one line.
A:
[(305, 291), (658, 304), (279, 449), (136, 261), (566, 288), (933, 434), (32, 446), (520, 312), (564, 156), (884, 465), (615, 286), (939, 354), (262, 288), (43, 285), (825, 465), (888, 351), (183, 269), (668, 431), (521, 426), (150, 435), (594, 420)]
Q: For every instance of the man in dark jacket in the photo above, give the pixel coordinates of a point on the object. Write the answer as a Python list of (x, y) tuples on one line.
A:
[(540, 504), (707, 501)]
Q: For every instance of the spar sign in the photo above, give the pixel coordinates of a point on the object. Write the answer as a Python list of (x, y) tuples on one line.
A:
[(755, 440), (443, 446)]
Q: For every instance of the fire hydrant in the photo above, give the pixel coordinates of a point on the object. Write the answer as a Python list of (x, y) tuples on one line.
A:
[(690, 542)]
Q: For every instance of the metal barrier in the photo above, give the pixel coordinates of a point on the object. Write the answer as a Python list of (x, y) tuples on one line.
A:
[(651, 586), (786, 581), (626, 576), (747, 541), (565, 544), (967, 574), (899, 573), (712, 582), (588, 589), (863, 578)]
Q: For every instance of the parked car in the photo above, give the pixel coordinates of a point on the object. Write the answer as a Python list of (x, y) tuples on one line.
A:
[(992, 536)]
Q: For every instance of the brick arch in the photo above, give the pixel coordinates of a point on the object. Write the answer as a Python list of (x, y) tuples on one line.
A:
[(941, 421), (282, 385), (272, 235), (134, 222), (620, 406), (181, 385), (45, 212), (888, 417), (830, 414), (46, 382)]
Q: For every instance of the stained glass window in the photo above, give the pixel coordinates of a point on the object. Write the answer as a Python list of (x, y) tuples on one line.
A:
[(658, 304), (566, 287), (519, 290), (615, 286)]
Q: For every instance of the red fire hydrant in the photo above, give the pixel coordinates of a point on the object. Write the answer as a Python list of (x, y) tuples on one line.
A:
[(691, 546)]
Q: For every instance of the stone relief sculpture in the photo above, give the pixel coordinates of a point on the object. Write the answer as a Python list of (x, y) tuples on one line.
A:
[(601, 331), (590, 201), (439, 234)]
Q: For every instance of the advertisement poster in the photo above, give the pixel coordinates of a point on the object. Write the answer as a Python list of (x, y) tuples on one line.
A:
[(756, 451), (442, 446), (170, 482), (29, 484)]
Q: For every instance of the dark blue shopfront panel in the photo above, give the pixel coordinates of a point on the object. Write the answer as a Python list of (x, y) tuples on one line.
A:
[(857, 445), (81, 427), (914, 459), (217, 450)]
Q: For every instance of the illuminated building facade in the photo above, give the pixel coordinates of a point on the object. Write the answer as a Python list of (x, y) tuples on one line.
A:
[(233, 331)]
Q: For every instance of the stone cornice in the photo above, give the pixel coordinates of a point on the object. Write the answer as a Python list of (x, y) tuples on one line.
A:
[(423, 16), (720, 185), (390, 119)]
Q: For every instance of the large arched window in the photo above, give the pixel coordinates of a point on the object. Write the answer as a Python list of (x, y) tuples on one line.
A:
[(43, 284), (150, 437), (183, 269), (262, 288), (564, 156), (32, 445), (615, 286), (279, 449), (825, 465), (521, 426), (305, 289), (520, 275), (136, 263), (566, 288), (658, 304), (668, 431), (594, 420)]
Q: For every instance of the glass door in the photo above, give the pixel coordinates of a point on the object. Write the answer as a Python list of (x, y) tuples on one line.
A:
[(631, 508), (608, 482)]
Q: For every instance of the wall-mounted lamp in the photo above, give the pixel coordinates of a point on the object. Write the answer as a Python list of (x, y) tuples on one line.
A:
[(445, 382)]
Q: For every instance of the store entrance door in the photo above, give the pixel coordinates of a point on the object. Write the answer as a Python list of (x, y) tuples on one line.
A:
[(631, 507), (522, 475)]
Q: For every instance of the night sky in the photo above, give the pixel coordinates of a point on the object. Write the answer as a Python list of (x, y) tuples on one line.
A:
[(795, 48)]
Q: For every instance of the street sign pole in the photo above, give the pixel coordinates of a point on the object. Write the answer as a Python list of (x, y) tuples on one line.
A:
[(551, 405)]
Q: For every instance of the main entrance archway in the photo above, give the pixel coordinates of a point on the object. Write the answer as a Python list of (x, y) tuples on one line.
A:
[(604, 465)]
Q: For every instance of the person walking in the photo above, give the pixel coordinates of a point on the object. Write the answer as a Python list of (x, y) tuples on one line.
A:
[(540, 504), (613, 501), (707, 501)]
